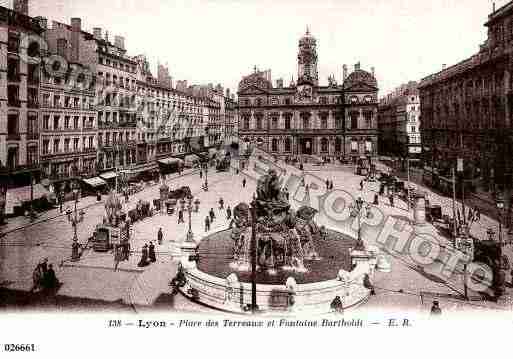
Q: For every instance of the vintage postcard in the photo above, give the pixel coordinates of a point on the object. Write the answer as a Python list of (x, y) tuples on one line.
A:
[(190, 174)]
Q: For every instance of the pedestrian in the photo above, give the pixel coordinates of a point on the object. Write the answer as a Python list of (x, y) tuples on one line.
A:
[(391, 199), (368, 284), (376, 200), (160, 236), (307, 189), (212, 215), (435, 309), (361, 185), (61, 201), (336, 305), (98, 197), (50, 279), (470, 216), (327, 184), (478, 214), (243, 183), (221, 203), (37, 277), (151, 253), (144, 257), (228, 213), (180, 217), (236, 171), (207, 223), (201, 174), (331, 186)]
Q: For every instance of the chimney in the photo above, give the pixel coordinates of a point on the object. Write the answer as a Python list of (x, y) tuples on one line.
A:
[(357, 66), (227, 93), (493, 8), (76, 28), (444, 66), (119, 42), (373, 71), (344, 70), (97, 33), (21, 6)]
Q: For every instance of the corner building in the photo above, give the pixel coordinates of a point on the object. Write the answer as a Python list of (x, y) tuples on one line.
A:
[(309, 120)]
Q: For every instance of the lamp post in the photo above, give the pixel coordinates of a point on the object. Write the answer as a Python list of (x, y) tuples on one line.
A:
[(190, 235), (205, 185), (254, 306), (75, 219), (359, 208), (500, 206)]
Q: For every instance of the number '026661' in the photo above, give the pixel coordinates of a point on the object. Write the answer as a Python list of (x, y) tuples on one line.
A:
[(19, 347)]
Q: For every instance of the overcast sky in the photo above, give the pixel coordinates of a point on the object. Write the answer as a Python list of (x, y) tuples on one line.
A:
[(219, 41)]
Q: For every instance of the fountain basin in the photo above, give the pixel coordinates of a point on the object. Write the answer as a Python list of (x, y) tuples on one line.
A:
[(215, 282)]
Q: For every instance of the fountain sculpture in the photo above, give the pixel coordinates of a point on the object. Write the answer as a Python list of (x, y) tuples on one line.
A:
[(285, 238)]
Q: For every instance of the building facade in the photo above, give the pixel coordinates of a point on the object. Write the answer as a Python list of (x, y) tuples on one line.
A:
[(306, 119), (19, 94), (399, 122), (467, 109)]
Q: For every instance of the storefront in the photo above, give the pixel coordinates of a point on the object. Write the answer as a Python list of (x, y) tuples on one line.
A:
[(170, 165), (94, 185)]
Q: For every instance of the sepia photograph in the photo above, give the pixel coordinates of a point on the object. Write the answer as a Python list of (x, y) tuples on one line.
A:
[(201, 174)]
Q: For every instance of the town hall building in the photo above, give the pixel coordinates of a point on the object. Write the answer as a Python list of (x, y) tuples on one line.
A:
[(309, 120)]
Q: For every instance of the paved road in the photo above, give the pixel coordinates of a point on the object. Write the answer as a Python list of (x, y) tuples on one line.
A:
[(407, 287)]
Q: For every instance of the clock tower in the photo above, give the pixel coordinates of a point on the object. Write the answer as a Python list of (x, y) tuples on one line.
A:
[(307, 60)]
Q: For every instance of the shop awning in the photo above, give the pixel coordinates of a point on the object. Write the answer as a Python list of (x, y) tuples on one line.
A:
[(108, 175), (170, 161), (95, 182), (17, 196)]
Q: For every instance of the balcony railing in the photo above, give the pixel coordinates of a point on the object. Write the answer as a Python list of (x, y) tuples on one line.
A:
[(13, 137), (14, 102), (32, 136), (13, 77)]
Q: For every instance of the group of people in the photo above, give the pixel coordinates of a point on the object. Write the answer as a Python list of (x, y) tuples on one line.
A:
[(44, 276), (212, 216), (148, 255)]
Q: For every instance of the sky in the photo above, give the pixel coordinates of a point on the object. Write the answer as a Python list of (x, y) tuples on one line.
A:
[(220, 41)]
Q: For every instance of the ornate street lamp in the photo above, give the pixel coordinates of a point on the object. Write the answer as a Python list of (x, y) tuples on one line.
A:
[(190, 235), (75, 219), (358, 209)]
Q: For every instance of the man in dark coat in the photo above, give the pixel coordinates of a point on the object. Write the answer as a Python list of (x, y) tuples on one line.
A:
[(144, 257), (151, 253), (160, 236), (243, 183), (221, 203), (180, 216), (212, 215), (435, 309), (336, 305), (50, 279), (201, 174), (207, 223), (228, 213)]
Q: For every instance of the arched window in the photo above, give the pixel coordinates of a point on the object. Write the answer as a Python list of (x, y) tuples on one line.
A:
[(287, 145), (275, 123), (287, 122), (306, 122), (338, 145), (324, 145), (274, 145)]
